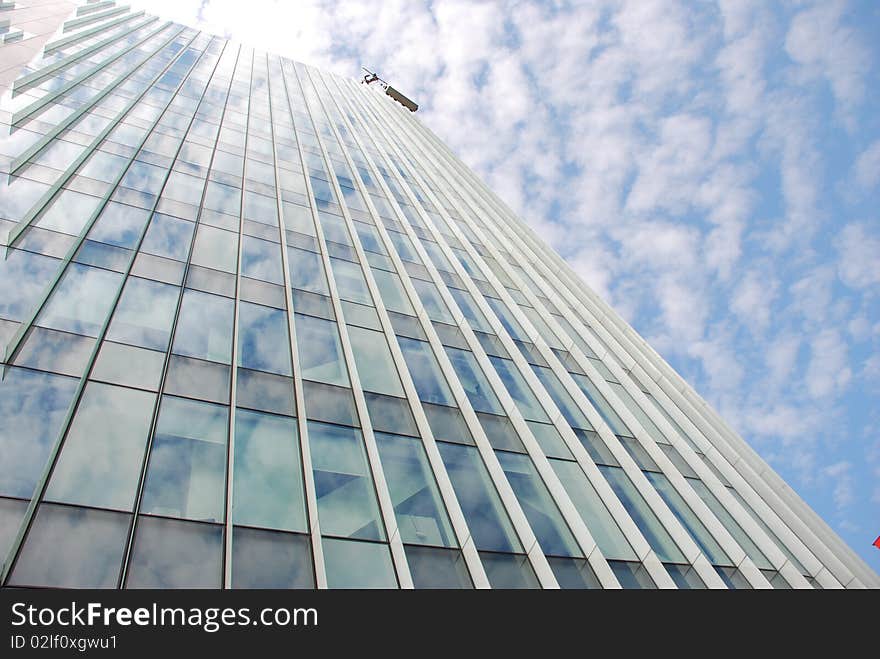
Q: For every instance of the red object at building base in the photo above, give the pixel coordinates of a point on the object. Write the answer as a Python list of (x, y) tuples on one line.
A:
[(877, 542)]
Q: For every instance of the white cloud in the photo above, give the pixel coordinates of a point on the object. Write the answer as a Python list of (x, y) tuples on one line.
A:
[(858, 262)]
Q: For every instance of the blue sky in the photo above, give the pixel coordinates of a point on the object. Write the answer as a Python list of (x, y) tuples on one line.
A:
[(710, 168)]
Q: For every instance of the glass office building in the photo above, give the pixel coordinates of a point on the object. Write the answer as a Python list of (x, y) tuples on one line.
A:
[(260, 328)]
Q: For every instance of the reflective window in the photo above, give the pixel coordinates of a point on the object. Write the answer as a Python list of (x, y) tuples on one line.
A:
[(11, 513), (514, 329), (320, 350), (69, 212), (388, 414), (127, 365), (215, 248), (168, 236), (689, 520), (50, 350), (261, 259), (100, 461), (631, 575), (32, 408), (391, 291), (592, 510), (352, 564), (264, 391), (421, 515), (374, 363), (562, 398), (263, 342), (169, 553), (268, 482), (144, 314), (119, 225), (326, 402), (347, 504), (544, 517), (739, 534), (468, 307), (31, 272), (508, 571), (425, 372), (489, 524), (645, 518), (350, 281), (431, 300), (432, 567), (81, 300), (204, 328), (573, 573), (516, 386), (476, 386), (550, 440), (307, 271), (618, 427), (685, 576), (70, 547), (187, 468), (269, 559)]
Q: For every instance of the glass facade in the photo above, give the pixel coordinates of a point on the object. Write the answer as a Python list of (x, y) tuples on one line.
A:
[(259, 328)]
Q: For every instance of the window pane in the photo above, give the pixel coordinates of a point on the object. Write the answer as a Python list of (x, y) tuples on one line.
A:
[(651, 527), (475, 384), (144, 314), (70, 547), (32, 408), (563, 400), (689, 520), (173, 554), (421, 515), (204, 329), (60, 352), (574, 573), (350, 281), (320, 351), (11, 513), (130, 366), (509, 571), (431, 300), (307, 271), (592, 510), (325, 402), (391, 414), (618, 427), (215, 248), (119, 225), (544, 517), (187, 468), (685, 576), (468, 307), (374, 363), (519, 390), (263, 391), (632, 576), (268, 484), (550, 440), (731, 524), (263, 342), (351, 564), (437, 568), (347, 504), (101, 458), (168, 236), (425, 372), (391, 291), (81, 301), (30, 272), (488, 521), (261, 259), (268, 559)]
